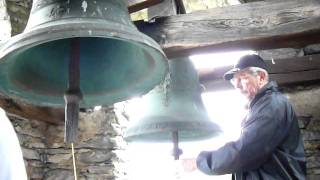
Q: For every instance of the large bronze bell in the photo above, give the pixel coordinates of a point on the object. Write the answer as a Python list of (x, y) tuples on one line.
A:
[(175, 111), (116, 61)]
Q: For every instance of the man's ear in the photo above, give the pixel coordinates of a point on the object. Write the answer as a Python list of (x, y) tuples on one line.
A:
[(262, 76)]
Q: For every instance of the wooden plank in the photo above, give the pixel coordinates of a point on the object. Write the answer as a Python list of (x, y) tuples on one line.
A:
[(305, 63), (284, 71), (257, 26), (166, 8), (285, 79), (142, 5), (296, 77), (276, 66)]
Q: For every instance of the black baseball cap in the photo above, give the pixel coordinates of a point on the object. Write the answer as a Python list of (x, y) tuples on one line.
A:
[(246, 61)]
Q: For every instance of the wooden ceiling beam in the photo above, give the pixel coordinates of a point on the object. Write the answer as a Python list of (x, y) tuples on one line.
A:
[(256, 26), (285, 71)]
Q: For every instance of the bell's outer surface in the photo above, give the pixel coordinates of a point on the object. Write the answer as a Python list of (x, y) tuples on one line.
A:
[(176, 106), (116, 60)]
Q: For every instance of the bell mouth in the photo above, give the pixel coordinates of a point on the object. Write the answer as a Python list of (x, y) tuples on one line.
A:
[(160, 129), (111, 70)]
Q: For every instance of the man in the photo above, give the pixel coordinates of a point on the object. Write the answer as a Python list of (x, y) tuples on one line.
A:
[(11, 161), (270, 146)]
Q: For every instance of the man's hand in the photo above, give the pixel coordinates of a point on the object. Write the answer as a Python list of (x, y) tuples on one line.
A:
[(189, 165)]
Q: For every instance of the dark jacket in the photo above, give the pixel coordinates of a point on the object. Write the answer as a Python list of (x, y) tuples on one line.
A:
[(270, 146)]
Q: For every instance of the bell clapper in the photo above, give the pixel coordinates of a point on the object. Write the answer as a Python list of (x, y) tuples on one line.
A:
[(176, 150), (72, 98), (73, 94), (71, 123)]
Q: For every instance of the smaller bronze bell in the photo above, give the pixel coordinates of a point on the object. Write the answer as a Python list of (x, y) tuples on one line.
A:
[(175, 110)]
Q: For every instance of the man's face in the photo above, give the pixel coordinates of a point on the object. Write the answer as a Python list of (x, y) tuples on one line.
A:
[(246, 83)]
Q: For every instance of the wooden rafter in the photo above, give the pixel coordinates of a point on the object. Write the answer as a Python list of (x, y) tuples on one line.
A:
[(257, 26), (284, 71)]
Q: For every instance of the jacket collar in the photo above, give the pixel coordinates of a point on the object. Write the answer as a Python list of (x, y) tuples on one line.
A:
[(269, 87)]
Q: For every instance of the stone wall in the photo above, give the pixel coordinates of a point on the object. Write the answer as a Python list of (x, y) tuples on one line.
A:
[(99, 151), (19, 11), (5, 24), (306, 102)]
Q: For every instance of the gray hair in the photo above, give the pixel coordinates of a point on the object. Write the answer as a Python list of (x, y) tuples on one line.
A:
[(254, 71)]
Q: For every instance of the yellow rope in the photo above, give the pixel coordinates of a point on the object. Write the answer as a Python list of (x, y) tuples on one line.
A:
[(74, 162)]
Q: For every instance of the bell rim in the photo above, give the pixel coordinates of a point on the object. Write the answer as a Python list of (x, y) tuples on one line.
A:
[(36, 36), (140, 133)]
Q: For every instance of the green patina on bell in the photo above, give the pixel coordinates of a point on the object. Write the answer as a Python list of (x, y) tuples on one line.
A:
[(116, 60), (174, 108)]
